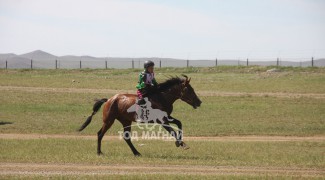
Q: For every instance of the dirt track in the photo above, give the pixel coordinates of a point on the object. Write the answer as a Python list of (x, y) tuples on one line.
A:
[(190, 138), (200, 93), (92, 169)]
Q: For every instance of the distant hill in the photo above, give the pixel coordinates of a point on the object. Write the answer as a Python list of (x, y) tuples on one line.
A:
[(6, 56), (42, 59), (79, 58), (18, 62), (320, 62), (38, 55)]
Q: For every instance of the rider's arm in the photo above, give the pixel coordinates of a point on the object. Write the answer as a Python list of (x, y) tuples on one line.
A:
[(154, 82), (142, 81)]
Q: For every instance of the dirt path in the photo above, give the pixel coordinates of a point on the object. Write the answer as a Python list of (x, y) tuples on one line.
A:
[(200, 93), (107, 169), (63, 90), (191, 138)]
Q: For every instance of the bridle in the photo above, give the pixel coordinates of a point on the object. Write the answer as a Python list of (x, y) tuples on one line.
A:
[(183, 89)]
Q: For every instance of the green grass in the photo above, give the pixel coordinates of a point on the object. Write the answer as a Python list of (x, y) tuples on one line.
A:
[(63, 113), (228, 79), (263, 154)]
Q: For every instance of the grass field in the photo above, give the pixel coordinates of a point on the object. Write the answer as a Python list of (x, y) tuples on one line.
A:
[(237, 101), (279, 154)]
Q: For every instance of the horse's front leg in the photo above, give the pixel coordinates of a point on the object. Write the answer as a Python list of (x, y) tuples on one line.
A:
[(178, 123), (179, 136)]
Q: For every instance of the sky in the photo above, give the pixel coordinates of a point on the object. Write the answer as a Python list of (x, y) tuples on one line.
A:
[(190, 29)]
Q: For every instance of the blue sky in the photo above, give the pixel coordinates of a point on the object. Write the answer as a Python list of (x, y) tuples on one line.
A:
[(193, 29)]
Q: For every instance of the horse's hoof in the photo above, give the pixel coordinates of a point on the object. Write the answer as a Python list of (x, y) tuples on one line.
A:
[(137, 155), (99, 153), (185, 147), (178, 143), (182, 145)]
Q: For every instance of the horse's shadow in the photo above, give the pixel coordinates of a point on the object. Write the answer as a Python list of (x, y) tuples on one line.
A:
[(5, 122)]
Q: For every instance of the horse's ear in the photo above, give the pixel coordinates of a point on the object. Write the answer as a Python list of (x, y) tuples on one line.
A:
[(186, 78), (187, 81)]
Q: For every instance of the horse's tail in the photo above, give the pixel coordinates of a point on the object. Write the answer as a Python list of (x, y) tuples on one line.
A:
[(96, 107)]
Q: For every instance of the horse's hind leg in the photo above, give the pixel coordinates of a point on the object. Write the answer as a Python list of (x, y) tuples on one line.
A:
[(101, 134), (127, 138)]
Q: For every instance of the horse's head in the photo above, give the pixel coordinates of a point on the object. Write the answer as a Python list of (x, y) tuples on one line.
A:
[(188, 94)]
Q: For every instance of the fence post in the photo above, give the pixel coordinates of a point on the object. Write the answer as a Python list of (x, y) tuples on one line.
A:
[(312, 61), (31, 64), (132, 63), (106, 64), (160, 63), (6, 64), (187, 63), (277, 61), (216, 61), (56, 64), (247, 62), (80, 64)]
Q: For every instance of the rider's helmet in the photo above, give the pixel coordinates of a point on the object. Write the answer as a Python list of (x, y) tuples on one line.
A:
[(148, 64)]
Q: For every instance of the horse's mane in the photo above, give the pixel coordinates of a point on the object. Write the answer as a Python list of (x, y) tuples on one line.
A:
[(169, 83)]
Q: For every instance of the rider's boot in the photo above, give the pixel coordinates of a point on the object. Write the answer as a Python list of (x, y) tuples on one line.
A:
[(141, 101)]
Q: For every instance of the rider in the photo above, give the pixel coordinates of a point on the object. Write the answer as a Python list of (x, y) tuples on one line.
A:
[(147, 81)]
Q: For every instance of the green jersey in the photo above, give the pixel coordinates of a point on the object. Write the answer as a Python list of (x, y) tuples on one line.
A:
[(145, 79)]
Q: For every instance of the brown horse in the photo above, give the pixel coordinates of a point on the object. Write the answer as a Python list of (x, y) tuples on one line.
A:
[(162, 98)]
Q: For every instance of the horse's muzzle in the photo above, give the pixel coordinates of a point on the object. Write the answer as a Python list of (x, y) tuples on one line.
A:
[(197, 104)]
